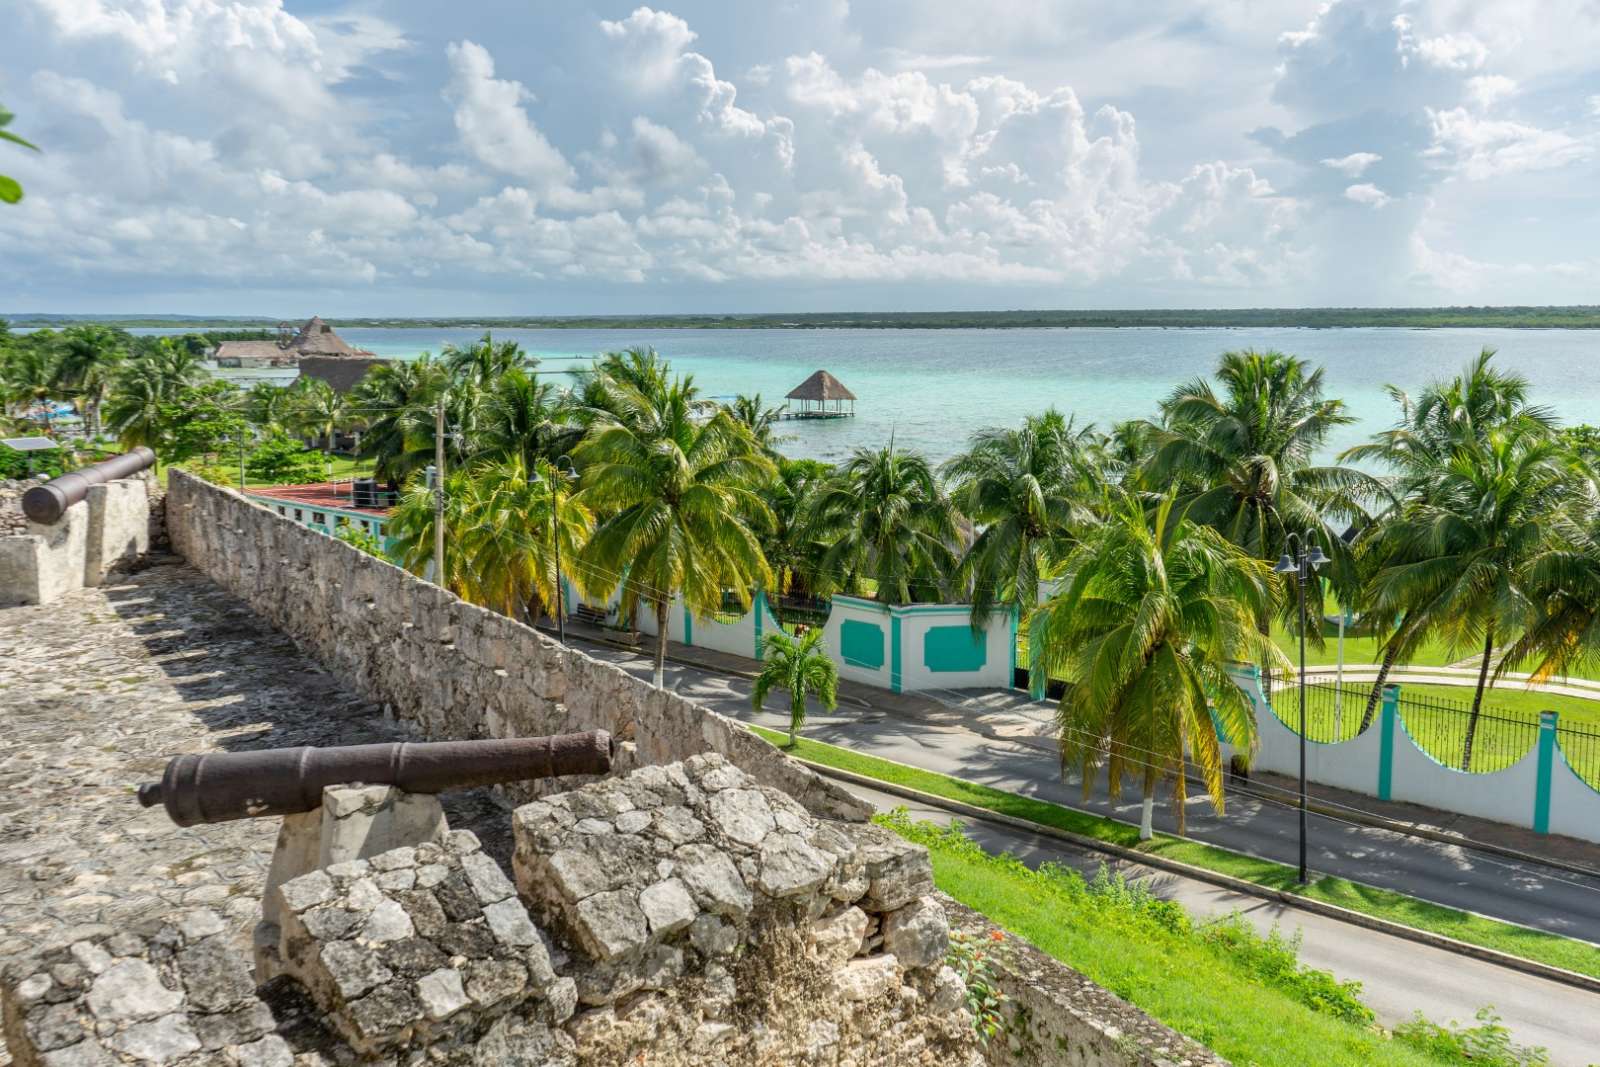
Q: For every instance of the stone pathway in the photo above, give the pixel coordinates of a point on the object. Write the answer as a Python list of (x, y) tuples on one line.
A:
[(97, 691)]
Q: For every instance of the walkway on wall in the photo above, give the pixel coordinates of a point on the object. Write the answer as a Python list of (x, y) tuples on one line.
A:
[(957, 741)]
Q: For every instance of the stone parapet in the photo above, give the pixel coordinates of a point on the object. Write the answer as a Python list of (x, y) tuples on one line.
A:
[(449, 669)]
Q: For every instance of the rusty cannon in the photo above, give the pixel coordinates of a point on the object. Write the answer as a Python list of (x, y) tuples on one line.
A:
[(46, 503), (222, 786)]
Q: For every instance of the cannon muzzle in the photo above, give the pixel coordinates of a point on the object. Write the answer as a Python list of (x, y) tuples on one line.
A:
[(48, 502), (221, 786)]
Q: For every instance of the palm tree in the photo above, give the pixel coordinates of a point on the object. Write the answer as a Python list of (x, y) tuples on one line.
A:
[(1243, 464), (485, 360), (1563, 634), (1462, 554), (397, 401), (885, 518), (801, 667), (87, 359), (795, 556), (522, 416), (1027, 492), (498, 517), (1154, 609), (760, 420), (1433, 427), (319, 409), (153, 378), (678, 500)]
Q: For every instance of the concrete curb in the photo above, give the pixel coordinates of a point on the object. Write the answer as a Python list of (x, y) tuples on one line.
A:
[(1225, 881)]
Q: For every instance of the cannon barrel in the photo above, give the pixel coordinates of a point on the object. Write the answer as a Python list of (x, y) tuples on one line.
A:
[(221, 786), (48, 502)]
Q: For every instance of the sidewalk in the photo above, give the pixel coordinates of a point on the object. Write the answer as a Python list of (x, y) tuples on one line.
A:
[(1013, 716)]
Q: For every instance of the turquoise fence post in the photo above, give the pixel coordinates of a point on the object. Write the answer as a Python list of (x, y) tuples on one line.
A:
[(1038, 681), (894, 653), (688, 625), (760, 609), (1388, 723), (1545, 771), (1011, 681)]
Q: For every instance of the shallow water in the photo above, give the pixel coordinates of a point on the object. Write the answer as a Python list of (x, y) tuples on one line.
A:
[(933, 388)]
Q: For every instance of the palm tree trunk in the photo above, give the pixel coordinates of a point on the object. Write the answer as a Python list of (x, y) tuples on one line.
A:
[(797, 707), (1264, 628), (1477, 700), (1147, 815), (1390, 654), (661, 644)]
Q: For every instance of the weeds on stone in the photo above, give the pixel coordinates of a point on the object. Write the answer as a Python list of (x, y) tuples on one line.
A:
[(972, 956)]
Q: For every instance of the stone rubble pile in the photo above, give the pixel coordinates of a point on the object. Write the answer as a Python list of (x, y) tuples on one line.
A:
[(12, 520), (682, 915)]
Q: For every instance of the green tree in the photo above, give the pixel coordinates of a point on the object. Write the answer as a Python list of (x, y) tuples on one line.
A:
[(202, 421), (761, 421), (10, 190), (1153, 610), (884, 518), (793, 553), (678, 502), (269, 407), (140, 407), (87, 361), (361, 539), (802, 668), (1460, 556), (397, 400), (524, 417), (501, 535), (1433, 427), (319, 410), (282, 460), (1029, 492)]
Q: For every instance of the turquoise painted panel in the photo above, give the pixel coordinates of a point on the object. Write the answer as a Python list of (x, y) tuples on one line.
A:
[(861, 644), (953, 649)]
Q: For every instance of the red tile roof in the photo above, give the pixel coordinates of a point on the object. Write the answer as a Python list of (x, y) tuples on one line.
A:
[(317, 495)]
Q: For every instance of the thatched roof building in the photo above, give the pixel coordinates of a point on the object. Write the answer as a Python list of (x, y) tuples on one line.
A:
[(821, 396), (315, 338)]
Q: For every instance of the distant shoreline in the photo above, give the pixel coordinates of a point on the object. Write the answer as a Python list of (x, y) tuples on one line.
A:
[(1581, 317)]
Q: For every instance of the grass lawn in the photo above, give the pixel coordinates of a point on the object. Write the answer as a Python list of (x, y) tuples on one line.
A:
[(1383, 903), (1208, 982)]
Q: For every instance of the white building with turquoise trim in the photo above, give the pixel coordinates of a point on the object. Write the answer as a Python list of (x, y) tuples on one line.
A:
[(324, 507)]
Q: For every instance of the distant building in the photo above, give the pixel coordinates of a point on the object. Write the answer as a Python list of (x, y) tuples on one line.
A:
[(326, 506), (315, 349)]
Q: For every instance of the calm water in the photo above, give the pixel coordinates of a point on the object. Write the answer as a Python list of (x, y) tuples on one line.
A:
[(933, 388)]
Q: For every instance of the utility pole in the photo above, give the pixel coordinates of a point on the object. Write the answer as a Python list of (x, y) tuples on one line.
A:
[(438, 491)]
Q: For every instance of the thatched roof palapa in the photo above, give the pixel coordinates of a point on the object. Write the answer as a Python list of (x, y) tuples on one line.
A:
[(821, 386)]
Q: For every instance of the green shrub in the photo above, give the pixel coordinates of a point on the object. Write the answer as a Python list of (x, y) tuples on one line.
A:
[(49, 462), (1486, 1045)]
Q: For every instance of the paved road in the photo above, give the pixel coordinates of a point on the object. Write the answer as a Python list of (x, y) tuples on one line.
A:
[(1398, 977), (1401, 976)]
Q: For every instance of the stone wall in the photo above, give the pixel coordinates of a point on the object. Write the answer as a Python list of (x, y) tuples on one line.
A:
[(1055, 1017), (680, 916), (108, 529), (450, 669)]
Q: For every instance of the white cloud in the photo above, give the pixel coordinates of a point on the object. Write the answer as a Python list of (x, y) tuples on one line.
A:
[(493, 125), (1484, 148), (1367, 194), (1486, 90), (1353, 165)]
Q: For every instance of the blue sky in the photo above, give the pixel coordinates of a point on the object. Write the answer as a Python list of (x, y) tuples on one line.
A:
[(425, 158)]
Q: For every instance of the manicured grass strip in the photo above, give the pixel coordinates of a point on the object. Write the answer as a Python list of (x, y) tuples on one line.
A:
[(1206, 991), (1514, 940)]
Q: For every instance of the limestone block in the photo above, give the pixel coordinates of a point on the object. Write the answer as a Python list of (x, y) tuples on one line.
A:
[(918, 934), (410, 967), (118, 530), (897, 871), (174, 993)]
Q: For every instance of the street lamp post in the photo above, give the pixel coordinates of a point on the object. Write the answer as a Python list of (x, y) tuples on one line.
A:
[(1302, 558), (563, 469)]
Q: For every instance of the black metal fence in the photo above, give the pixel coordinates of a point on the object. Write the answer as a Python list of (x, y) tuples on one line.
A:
[(1440, 726)]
